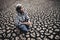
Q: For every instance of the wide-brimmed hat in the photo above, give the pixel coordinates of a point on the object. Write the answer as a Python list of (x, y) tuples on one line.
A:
[(19, 5)]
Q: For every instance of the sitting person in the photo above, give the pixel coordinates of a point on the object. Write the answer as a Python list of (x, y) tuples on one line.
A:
[(22, 19)]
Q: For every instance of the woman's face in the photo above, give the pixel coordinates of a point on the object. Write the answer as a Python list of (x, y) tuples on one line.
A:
[(22, 9)]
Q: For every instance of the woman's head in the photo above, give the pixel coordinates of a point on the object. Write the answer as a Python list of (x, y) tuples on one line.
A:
[(19, 8)]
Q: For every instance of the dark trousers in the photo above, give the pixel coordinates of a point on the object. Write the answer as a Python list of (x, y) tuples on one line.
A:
[(24, 28)]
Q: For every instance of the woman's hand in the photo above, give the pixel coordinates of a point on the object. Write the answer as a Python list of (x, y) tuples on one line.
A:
[(27, 23)]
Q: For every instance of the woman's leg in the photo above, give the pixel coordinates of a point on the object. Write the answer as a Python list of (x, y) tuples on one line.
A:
[(23, 28), (28, 27)]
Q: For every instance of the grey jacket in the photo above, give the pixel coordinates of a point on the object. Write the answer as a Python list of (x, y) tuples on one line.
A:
[(19, 18)]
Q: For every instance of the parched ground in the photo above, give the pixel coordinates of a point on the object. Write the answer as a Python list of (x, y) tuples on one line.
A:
[(44, 14)]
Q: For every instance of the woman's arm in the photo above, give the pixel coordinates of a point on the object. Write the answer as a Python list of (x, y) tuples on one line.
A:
[(27, 23)]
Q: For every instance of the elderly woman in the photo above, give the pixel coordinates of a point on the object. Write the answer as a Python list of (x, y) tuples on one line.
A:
[(22, 19)]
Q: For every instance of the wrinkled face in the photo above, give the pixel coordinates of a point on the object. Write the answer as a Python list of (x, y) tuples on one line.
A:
[(22, 9)]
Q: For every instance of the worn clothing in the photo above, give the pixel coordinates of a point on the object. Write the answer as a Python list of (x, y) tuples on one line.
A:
[(24, 28), (22, 18)]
